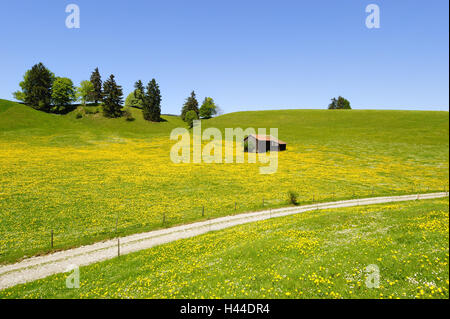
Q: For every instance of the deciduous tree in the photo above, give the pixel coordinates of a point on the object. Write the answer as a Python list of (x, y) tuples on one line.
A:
[(208, 108), (339, 103), (131, 100), (63, 93), (36, 87), (85, 92)]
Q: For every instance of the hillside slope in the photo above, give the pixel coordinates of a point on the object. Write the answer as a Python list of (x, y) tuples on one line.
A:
[(77, 177), (22, 121)]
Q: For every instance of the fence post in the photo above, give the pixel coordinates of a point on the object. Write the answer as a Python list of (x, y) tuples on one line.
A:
[(51, 241), (263, 201), (235, 205), (118, 247), (117, 221), (164, 218), (203, 211)]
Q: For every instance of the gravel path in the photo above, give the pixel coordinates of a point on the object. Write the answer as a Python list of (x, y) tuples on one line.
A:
[(42, 266)]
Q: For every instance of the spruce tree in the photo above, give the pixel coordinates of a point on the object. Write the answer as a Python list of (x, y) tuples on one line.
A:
[(191, 104), (152, 109), (150, 99), (96, 81), (112, 98), (139, 91)]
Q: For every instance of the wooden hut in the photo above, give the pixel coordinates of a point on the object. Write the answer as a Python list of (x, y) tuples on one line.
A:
[(263, 143)]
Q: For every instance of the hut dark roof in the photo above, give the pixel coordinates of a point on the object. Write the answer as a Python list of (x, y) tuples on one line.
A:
[(267, 138)]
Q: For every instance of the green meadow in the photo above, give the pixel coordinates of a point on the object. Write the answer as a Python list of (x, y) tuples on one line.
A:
[(316, 254), (78, 176)]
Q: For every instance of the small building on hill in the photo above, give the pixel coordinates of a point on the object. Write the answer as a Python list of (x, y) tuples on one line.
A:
[(263, 143)]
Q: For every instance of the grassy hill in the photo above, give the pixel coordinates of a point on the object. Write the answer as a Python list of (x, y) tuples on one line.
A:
[(76, 176), (320, 254), (20, 121)]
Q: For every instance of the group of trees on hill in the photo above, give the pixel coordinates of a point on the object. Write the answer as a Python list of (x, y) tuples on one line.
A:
[(44, 91), (339, 103), (191, 111), (148, 99)]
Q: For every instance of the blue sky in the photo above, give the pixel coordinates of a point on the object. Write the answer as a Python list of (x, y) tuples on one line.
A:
[(247, 54)]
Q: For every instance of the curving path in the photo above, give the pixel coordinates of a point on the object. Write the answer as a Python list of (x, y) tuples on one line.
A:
[(42, 266)]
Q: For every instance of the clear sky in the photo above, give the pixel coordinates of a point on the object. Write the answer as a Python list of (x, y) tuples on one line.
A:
[(246, 54)]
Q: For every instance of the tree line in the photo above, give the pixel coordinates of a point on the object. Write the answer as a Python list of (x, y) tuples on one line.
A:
[(44, 91), (189, 112)]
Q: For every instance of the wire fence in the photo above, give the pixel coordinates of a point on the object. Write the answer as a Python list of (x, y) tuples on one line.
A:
[(50, 238)]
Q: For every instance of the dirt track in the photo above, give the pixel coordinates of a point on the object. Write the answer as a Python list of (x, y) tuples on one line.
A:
[(42, 266)]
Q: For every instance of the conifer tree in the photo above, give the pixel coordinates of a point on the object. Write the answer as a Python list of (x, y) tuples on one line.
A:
[(150, 99), (139, 92), (96, 81), (152, 109), (191, 104), (112, 98)]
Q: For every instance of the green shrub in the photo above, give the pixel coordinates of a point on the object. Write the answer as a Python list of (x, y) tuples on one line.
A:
[(128, 115), (292, 198), (91, 110), (131, 100), (78, 116), (190, 117)]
